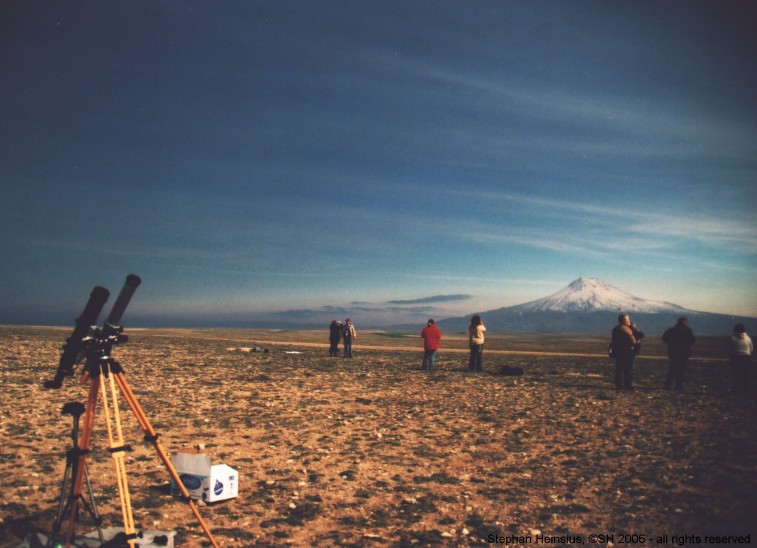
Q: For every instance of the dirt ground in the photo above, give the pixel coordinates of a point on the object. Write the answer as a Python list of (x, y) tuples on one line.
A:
[(372, 451)]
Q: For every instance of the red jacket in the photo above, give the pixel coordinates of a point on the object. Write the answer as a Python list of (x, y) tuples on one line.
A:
[(431, 337)]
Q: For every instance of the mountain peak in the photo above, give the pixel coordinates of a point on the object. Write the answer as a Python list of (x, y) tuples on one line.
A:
[(587, 282), (589, 294), (590, 305)]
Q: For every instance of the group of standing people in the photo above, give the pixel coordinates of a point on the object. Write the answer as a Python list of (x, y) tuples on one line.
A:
[(431, 337), (679, 339), (345, 332), (624, 347)]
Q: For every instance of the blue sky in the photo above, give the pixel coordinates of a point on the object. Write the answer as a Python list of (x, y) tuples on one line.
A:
[(260, 161)]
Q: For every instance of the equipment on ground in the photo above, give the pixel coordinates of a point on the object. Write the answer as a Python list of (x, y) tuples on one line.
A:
[(75, 410), (94, 345)]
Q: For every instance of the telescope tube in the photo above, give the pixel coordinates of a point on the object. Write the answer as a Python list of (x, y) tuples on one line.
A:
[(72, 348), (127, 291)]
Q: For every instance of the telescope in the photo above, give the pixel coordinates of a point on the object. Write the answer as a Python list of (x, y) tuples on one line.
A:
[(78, 344), (94, 345)]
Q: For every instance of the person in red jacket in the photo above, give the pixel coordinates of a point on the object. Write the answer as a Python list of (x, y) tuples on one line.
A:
[(431, 337)]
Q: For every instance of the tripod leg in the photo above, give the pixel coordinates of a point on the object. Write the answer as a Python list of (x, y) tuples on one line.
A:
[(118, 452), (81, 464), (63, 495), (151, 436), (93, 507), (64, 504)]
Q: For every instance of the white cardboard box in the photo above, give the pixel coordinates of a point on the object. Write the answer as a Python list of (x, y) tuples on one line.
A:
[(204, 481)]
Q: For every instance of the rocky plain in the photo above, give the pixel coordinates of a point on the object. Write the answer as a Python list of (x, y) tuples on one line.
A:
[(372, 451)]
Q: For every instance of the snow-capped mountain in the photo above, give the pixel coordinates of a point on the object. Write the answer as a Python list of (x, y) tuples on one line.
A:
[(589, 305), (594, 295)]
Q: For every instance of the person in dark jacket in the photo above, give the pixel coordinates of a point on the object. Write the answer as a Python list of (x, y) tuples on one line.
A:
[(335, 334), (679, 339), (625, 345)]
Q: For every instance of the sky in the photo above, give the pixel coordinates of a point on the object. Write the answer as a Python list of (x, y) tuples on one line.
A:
[(258, 162)]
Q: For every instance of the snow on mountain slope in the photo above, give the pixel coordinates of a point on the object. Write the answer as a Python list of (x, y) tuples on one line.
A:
[(594, 295), (589, 305)]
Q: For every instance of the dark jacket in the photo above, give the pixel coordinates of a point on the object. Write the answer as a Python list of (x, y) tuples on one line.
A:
[(335, 332), (623, 341), (679, 339)]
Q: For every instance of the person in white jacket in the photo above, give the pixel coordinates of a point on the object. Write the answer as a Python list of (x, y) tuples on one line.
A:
[(741, 356), (476, 332), (349, 335)]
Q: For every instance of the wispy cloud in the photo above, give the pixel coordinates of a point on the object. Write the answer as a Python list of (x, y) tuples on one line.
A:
[(634, 228), (432, 299), (610, 125)]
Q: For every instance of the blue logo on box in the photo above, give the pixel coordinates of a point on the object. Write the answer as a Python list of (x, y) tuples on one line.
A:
[(218, 488)]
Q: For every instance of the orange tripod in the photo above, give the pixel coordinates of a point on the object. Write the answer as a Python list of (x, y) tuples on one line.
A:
[(108, 381), (105, 375)]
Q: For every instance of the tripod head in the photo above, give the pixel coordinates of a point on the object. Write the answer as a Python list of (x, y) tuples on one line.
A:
[(86, 337)]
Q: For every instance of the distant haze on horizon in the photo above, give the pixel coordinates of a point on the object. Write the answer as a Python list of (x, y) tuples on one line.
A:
[(265, 161)]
